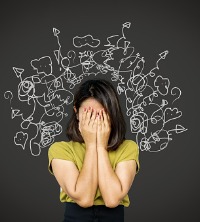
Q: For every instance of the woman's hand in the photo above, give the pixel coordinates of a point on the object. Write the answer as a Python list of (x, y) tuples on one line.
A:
[(88, 126), (103, 130)]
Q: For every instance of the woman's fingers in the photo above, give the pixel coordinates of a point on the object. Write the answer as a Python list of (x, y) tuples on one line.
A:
[(99, 121), (93, 117), (108, 119), (83, 115), (105, 117), (88, 116)]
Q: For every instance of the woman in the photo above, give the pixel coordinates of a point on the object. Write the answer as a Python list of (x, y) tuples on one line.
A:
[(96, 168)]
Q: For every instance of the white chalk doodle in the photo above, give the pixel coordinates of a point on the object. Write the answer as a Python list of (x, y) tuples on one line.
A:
[(85, 40), (149, 96)]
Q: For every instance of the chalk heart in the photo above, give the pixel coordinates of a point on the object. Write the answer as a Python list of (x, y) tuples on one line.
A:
[(20, 139), (170, 114), (162, 85)]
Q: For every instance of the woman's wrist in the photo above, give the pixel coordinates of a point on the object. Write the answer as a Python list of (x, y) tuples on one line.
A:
[(91, 146), (101, 147)]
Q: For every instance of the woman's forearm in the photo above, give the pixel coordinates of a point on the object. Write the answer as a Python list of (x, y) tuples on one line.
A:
[(86, 184), (109, 184)]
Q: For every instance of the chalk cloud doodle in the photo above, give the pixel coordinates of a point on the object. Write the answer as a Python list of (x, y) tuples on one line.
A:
[(150, 97)]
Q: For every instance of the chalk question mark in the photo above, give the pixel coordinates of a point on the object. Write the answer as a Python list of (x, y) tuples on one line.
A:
[(8, 95), (176, 92)]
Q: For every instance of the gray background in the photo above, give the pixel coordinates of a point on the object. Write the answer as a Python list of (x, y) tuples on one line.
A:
[(167, 186)]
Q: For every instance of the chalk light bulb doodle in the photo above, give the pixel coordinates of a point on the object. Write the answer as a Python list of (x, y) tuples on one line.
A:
[(150, 98)]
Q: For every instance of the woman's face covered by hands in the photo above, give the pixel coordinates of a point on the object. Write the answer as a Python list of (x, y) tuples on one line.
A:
[(94, 122), (90, 102)]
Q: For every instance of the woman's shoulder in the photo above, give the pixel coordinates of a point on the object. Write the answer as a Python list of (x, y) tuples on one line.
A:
[(64, 145), (59, 144), (130, 143)]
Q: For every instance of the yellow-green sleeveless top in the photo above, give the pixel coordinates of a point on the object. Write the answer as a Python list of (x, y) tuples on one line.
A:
[(75, 152)]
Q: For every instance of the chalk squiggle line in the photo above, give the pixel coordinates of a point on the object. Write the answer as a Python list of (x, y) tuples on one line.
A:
[(149, 96)]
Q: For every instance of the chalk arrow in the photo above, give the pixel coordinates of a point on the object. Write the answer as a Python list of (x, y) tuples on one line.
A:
[(15, 112), (163, 54), (18, 71), (57, 55), (56, 31), (180, 129)]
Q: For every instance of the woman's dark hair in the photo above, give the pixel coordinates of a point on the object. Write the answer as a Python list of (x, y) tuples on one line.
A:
[(104, 92)]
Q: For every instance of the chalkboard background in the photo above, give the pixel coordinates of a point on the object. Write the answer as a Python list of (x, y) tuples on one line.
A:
[(167, 186)]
